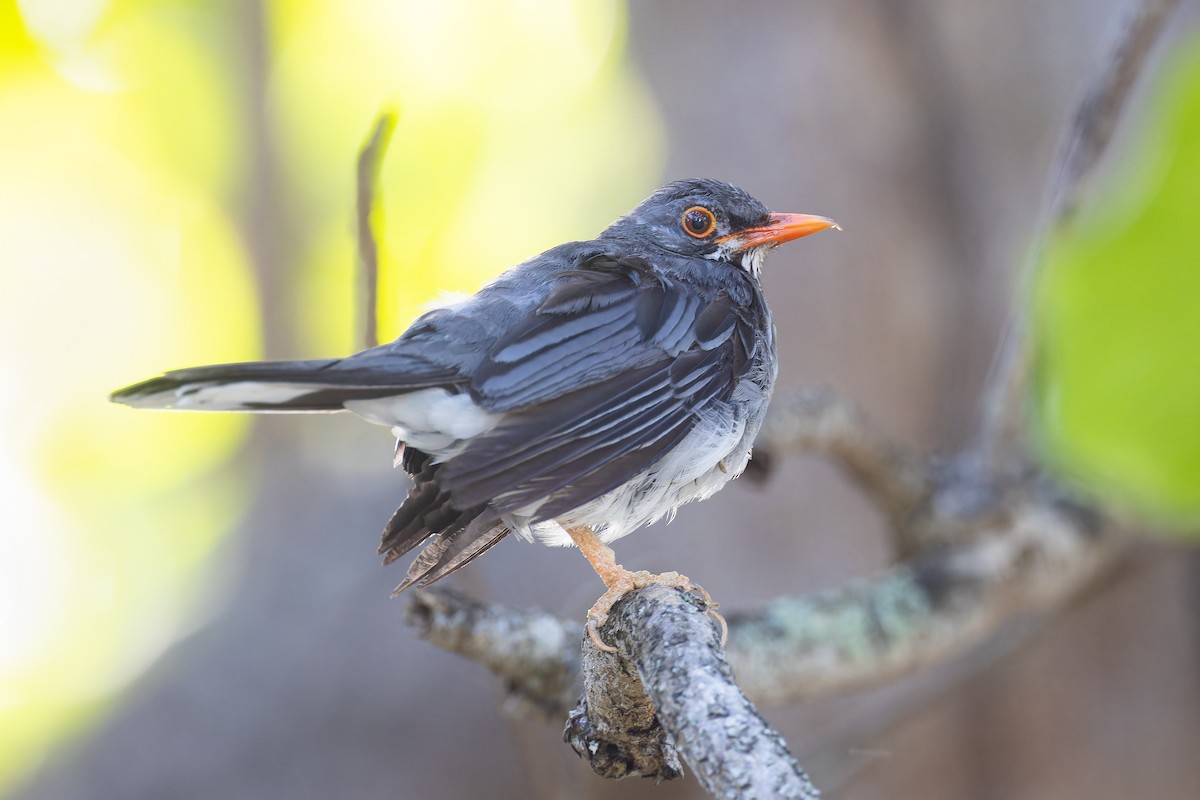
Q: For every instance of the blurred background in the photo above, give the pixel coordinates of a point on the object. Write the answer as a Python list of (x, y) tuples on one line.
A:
[(191, 606)]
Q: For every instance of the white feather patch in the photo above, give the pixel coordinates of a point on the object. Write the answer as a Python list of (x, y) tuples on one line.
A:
[(434, 420), (712, 454), (447, 300), (237, 396)]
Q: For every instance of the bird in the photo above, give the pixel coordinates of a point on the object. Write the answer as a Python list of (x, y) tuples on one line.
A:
[(579, 396)]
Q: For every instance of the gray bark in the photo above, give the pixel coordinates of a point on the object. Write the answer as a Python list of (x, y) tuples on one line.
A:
[(668, 692)]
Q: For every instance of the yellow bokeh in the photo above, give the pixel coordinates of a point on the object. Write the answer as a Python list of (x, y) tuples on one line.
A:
[(112, 258), (497, 154), (128, 149)]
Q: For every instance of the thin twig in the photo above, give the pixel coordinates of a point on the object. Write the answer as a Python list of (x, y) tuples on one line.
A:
[(370, 159), (1095, 120), (1082, 146)]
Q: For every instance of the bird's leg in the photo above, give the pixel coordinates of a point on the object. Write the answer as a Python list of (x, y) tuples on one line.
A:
[(621, 581)]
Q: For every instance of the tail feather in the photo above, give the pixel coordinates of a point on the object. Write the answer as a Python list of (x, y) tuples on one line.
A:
[(452, 550), (311, 385), (452, 536), (426, 512)]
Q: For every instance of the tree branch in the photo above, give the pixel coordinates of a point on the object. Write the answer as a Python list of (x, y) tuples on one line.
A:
[(668, 686), (1091, 130), (537, 654), (921, 612)]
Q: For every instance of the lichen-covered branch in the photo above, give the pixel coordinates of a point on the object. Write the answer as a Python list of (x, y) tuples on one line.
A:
[(536, 653), (615, 725), (923, 611), (668, 692)]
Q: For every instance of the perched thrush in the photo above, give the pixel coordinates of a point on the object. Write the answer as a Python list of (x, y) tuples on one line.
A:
[(581, 395)]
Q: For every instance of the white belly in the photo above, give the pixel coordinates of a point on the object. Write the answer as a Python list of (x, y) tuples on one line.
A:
[(708, 458)]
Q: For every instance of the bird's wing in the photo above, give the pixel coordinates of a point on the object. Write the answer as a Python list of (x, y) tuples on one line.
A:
[(599, 383), (608, 318)]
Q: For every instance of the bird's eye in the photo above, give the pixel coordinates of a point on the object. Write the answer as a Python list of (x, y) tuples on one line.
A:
[(699, 222)]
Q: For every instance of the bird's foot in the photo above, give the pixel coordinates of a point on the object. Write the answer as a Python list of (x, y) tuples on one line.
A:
[(625, 582)]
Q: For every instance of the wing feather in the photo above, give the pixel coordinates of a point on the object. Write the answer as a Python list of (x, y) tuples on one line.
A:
[(598, 323), (631, 398), (607, 375)]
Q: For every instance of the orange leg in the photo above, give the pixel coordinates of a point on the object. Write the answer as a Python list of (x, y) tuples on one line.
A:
[(620, 581)]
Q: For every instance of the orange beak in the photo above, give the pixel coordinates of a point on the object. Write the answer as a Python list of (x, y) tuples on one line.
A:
[(779, 229)]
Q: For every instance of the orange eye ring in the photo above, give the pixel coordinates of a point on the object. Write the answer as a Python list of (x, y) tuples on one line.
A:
[(698, 222)]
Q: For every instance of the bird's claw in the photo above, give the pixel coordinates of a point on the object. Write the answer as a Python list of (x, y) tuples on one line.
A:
[(598, 614), (712, 612), (593, 631)]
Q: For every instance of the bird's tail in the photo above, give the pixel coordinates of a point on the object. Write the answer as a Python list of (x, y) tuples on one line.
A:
[(313, 385)]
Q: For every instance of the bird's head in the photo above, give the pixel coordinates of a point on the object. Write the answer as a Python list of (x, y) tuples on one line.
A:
[(704, 218)]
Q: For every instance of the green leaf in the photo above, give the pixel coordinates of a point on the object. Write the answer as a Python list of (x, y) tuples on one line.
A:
[(1117, 393)]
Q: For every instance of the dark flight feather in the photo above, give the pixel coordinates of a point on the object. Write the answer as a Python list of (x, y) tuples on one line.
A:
[(334, 382)]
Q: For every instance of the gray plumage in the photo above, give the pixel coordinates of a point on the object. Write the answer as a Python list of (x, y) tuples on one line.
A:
[(601, 383)]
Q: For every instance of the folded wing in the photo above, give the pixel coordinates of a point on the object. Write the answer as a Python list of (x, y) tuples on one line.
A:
[(603, 380)]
